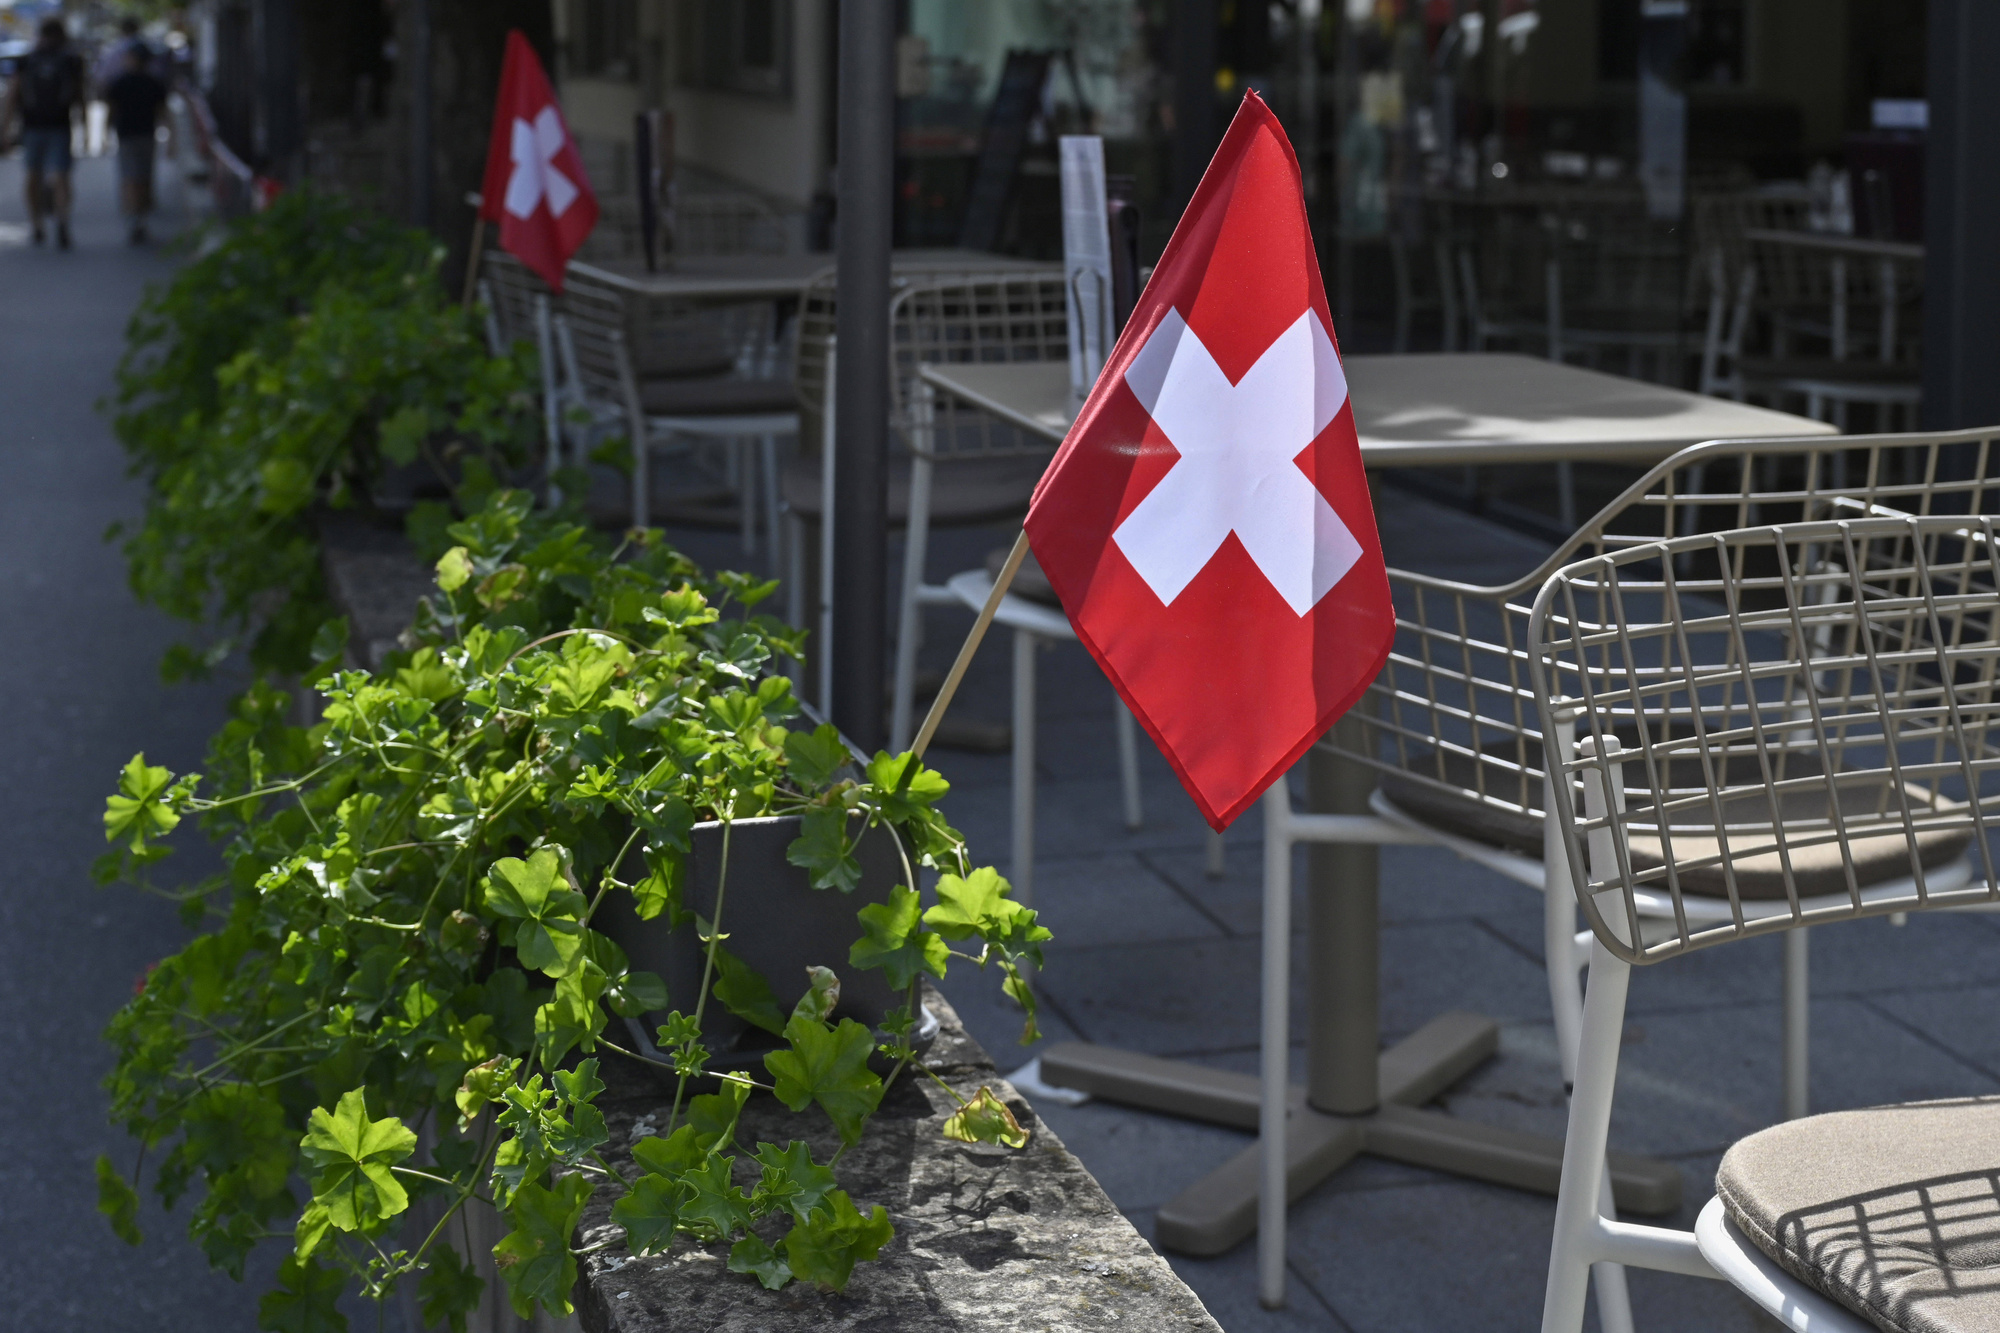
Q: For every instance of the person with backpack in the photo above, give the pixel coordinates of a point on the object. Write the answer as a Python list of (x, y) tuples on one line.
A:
[(45, 95), (135, 98)]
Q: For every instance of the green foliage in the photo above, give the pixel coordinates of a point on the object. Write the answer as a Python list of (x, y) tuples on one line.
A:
[(283, 371), (985, 1119), (403, 930), (118, 1201)]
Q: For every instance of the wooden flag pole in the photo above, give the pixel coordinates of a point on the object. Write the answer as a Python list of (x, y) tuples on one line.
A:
[(1001, 583)]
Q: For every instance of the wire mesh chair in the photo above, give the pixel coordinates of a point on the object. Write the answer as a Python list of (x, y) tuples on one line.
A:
[(649, 376), (950, 464), (519, 309), (1760, 731), (1450, 725)]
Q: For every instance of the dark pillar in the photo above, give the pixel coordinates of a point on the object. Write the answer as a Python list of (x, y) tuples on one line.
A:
[(1962, 197), (422, 147), (1194, 94), (278, 89), (860, 499)]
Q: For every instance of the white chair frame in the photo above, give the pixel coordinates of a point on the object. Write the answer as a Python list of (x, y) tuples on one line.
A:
[(1955, 719)]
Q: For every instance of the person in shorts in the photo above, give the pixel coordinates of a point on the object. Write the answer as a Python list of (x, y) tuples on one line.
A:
[(135, 98), (44, 96)]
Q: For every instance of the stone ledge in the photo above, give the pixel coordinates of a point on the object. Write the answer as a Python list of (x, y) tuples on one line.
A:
[(986, 1238)]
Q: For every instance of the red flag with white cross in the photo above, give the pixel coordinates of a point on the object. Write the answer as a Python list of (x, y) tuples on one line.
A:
[(1207, 522), (535, 187)]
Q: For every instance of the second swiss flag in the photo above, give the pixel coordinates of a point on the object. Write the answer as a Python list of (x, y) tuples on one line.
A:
[(1207, 522)]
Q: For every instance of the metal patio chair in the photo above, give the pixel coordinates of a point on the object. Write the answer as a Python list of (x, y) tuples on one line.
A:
[(1450, 724), (606, 350), (949, 464), (519, 308), (1792, 723)]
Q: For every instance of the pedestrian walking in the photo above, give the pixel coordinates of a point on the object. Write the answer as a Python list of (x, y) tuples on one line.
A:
[(135, 98), (43, 97)]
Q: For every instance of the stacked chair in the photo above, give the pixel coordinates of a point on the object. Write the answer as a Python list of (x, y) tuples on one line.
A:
[(1753, 732)]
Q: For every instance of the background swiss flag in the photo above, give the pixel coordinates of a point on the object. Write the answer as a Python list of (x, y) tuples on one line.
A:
[(535, 187), (1230, 680)]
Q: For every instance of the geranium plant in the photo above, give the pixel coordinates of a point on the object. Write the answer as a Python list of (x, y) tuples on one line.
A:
[(401, 947)]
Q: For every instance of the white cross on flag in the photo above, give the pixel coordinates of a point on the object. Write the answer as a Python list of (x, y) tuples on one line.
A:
[(1207, 522), (535, 187)]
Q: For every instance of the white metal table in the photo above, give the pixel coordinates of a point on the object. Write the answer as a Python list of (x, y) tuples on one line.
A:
[(1410, 411)]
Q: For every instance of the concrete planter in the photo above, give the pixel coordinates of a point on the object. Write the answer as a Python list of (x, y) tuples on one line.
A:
[(772, 918)]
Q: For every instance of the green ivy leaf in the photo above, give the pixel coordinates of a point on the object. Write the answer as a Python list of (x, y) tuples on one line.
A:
[(118, 1201), (714, 1201), (285, 486), (822, 995), (402, 432), (650, 1211), (660, 890), (744, 992), (304, 1301), (483, 1083), (573, 1018), (825, 1245), (830, 1066), (138, 809), (906, 788), (815, 756), (985, 1119), (894, 940), (454, 568), (713, 1115), (977, 904), (534, 1258), (823, 850), (534, 893), (354, 1155), (671, 1157), (450, 1290), (313, 1227), (792, 1180), (751, 1255)]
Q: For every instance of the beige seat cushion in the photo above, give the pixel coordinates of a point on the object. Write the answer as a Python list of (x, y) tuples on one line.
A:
[(963, 491), (1893, 1211), (1816, 869), (712, 396)]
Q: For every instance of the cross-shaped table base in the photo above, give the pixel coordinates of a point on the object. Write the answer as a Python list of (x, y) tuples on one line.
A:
[(1361, 1098)]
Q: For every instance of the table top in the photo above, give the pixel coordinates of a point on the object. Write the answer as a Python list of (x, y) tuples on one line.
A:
[(1449, 409), (761, 277), (1832, 241)]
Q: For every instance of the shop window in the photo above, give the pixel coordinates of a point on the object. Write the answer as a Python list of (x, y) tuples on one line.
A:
[(739, 46), (604, 39)]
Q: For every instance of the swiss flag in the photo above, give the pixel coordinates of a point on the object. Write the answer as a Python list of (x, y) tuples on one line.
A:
[(1207, 522), (535, 186)]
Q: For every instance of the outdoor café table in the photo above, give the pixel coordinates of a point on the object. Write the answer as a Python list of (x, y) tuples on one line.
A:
[(1410, 411), (771, 277)]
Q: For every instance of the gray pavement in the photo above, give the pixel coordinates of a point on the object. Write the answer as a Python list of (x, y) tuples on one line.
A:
[(81, 672)]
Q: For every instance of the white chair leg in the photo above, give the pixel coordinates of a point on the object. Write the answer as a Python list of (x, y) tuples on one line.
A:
[(1797, 1020), (1217, 865), (1607, 1280), (1023, 875), (909, 611), (1578, 1200), (1559, 954), (1128, 762), (795, 582)]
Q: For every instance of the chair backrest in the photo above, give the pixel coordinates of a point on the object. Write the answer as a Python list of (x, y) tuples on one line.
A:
[(1809, 695), (957, 318), (513, 288), (1452, 714), (596, 350), (972, 320)]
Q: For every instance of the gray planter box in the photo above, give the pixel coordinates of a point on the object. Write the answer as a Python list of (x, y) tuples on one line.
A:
[(772, 918)]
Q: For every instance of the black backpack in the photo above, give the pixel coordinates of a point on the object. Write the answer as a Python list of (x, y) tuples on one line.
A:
[(50, 85)]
